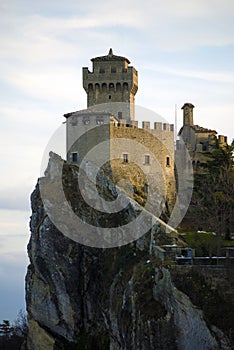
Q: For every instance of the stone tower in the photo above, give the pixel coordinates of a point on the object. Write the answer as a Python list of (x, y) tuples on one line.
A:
[(188, 114), (112, 82)]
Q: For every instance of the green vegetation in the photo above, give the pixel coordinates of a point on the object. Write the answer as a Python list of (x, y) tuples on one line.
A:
[(206, 243), (13, 335), (213, 197)]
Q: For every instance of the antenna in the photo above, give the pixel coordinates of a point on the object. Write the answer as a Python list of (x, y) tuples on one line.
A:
[(175, 122)]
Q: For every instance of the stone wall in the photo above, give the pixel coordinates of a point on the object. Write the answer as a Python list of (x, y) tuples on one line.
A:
[(152, 150)]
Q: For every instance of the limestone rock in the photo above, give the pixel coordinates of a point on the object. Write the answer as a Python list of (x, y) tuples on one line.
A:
[(79, 297)]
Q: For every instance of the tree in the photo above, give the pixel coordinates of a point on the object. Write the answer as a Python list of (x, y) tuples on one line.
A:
[(20, 325), (6, 329), (13, 335), (214, 190)]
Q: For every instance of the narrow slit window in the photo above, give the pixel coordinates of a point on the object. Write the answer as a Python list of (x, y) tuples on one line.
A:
[(125, 158), (120, 115), (74, 157), (147, 159), (168, 162)]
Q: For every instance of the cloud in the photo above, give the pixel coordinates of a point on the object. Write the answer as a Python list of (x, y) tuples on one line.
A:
[(41, 36), (49, 83), (213, 76)]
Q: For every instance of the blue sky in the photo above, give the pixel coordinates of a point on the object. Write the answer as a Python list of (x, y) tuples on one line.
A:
[(183, 51)]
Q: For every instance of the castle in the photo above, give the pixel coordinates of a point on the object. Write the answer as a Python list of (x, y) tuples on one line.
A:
[(107, 129)]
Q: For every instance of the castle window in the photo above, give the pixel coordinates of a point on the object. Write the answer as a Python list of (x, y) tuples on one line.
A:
[(147, 159), (113, 70), (74, 157), (164, 126), (118, 87), (168, 162), (102, 70), (104, 87), (125, 158), (109, 97), (99, 121), (86, 121), (125, 86), (111, 87)]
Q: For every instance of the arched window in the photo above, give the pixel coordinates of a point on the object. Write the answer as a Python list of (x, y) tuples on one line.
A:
[(104, 87), (118, 87), (111, 87), (125, 86), (97, 87)]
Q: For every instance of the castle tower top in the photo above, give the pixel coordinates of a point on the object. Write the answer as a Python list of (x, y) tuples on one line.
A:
[(112, 80), (110, 57), (188, 114)]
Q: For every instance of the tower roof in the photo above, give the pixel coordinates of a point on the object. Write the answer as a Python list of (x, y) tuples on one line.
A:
[(187, 104), (110, 57)]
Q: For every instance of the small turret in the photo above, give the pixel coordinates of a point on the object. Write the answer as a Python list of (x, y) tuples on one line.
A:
[(188, 114)]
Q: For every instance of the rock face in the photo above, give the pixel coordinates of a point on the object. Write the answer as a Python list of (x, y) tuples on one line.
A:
[(79, 297)]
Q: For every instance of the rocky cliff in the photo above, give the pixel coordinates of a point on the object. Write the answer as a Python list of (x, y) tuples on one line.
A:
[(122, 298)]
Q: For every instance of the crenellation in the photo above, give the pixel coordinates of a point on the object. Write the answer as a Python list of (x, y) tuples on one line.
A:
[(134, 123), (158, 126), (166, 127), (222, 140), (122, 122), (146, 125)]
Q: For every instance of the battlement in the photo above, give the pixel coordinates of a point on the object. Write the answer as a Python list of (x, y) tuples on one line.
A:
[(91, 118), (222, 140), (159, 126), (113, 79), (113, 72)]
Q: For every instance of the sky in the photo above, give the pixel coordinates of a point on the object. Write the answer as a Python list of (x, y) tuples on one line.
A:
[(183, 51)]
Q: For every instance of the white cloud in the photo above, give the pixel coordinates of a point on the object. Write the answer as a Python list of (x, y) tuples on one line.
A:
[(46, 82), (214, 76), (13, 223)]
